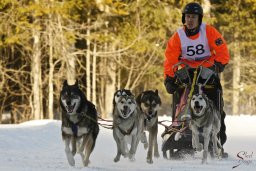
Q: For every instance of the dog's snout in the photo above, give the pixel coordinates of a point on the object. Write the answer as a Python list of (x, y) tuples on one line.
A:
[(125, 107), (197, 103), (68, 102)]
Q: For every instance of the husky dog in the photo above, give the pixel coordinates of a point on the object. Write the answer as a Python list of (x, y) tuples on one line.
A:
[(149, 103), (205, 115), (127, 126), (118, 94), (79, 123)]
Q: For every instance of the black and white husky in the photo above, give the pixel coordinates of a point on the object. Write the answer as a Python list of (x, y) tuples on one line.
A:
[(79, 123), (127, 126), (205, 115), (149, 103)]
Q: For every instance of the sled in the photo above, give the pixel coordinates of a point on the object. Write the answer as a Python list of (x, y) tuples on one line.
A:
[(177, 138)]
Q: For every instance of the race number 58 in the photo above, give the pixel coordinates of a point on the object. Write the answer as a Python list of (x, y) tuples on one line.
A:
[(198, 50)]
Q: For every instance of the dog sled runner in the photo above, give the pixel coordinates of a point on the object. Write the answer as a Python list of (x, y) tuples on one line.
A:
[(177, 138)]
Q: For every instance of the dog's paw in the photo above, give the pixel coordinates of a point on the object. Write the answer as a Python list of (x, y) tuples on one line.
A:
[(125, 155), (199, 147), (117, 158), (149, 161), (177, 136), (145, 146), (204, 160), (70, 158), (86, 162), (132, 157), (156, 155), (71, 161), (144, 138), (218, 154)]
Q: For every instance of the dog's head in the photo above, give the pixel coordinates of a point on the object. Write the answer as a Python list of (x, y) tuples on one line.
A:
[(119, 93), (149, 102), (126, 105), (198, 104), (71, 98)]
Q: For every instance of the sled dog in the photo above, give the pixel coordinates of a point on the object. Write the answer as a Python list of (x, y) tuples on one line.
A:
[(127, 126), (205, 115), (79, 123), (149, 103)]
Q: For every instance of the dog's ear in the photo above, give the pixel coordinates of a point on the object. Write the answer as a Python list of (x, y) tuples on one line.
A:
[(156, 92), (159, 99), (76, 84), (139, 98), (65, 83)]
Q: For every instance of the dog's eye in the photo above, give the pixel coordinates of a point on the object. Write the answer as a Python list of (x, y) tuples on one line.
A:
[(74, 96), (153, 105), (129, 103), (64, 97), (193, 98), (200, 98)]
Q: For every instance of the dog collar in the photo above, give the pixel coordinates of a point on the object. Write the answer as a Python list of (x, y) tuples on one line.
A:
[(148, 118)]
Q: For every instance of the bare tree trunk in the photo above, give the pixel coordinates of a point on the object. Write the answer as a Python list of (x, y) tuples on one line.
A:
[(1, 88), (102, 95), (119, 72), (36, 76), (110, 86), (251, 105), (71, 71), (104, 79), (36, 73), (236, 78), (94, 65), (88, 60), (51, 69), (131, 71), (70, 60)]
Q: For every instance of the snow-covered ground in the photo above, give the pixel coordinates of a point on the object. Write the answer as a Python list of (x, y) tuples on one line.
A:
[(37, 146)]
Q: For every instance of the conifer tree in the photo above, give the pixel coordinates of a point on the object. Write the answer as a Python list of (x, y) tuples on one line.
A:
[(236, 20)]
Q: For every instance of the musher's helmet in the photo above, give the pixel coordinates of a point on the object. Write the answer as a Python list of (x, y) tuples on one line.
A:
[(193, 8)]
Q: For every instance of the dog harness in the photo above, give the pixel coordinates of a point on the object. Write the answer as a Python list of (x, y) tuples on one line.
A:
[(126, 132), (131, 121), (74, 126)]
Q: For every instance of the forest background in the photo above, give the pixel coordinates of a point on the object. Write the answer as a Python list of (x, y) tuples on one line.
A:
[(108, 45)]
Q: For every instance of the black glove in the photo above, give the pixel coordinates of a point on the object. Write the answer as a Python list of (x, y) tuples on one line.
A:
[(170, 85), (218, 67)]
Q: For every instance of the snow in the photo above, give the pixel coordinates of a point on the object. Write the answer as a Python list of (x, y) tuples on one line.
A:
[(37, 146)]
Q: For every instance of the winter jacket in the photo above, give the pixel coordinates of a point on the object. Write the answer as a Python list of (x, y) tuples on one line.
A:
[(217, 48)]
